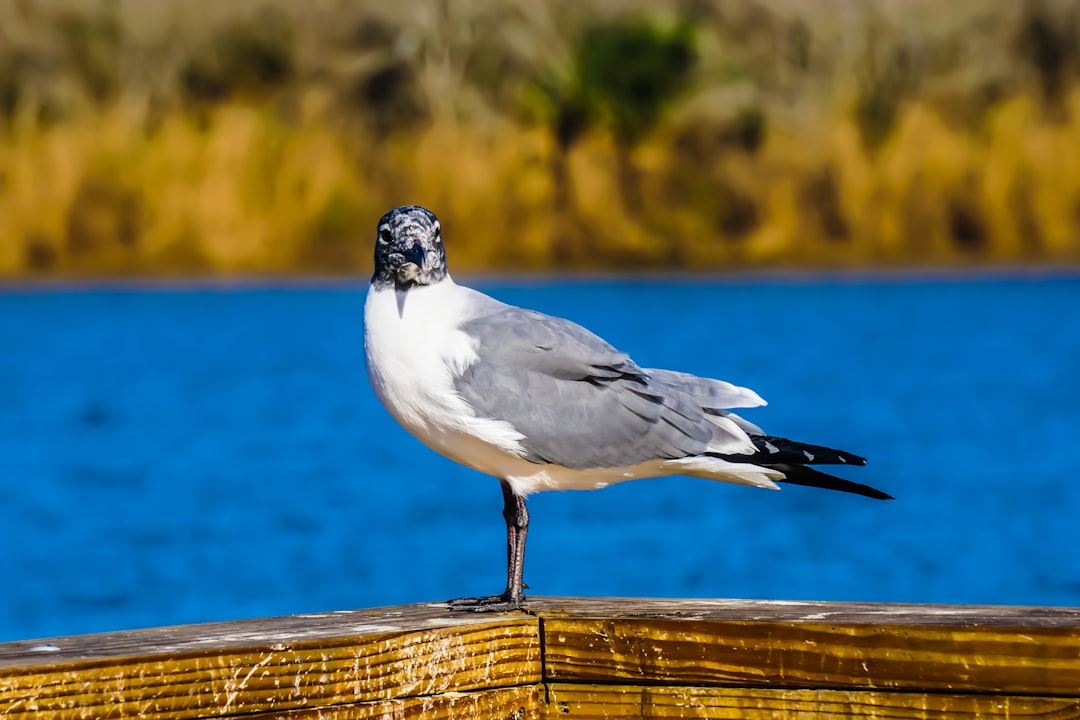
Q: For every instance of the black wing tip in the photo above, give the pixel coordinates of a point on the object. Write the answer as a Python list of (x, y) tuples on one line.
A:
[(865, 491), (781, 450), (849, 459), (875, 494), (848, 486), (809, 477)]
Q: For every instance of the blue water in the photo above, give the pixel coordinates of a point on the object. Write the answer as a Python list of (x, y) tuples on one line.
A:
[(174, 455)]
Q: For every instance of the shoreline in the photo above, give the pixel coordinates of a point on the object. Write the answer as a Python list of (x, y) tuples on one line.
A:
[(225, 283)]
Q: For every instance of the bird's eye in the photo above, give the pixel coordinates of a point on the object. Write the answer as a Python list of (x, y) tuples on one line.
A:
[(438, 231), (384, 235)]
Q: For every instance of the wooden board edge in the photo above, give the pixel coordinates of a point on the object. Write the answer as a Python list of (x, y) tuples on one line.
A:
[(611, 702), (813, 611)]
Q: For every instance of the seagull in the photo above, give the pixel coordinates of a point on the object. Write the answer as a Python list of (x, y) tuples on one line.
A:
[(541, 403)]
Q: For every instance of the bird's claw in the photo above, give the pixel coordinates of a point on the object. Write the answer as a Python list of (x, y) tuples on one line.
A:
[(486, 604)]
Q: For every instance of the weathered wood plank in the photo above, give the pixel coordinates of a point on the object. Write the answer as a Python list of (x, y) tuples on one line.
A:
[(673, 658), (238, 633), (515, 703), (225, 669), (805, 611), (819, 645), (611, 702)]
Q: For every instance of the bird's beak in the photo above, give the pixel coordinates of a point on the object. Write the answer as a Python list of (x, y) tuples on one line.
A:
[(412, 264), (416, 255)]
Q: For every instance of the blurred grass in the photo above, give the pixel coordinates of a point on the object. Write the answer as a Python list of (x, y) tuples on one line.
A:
[(194, 137)]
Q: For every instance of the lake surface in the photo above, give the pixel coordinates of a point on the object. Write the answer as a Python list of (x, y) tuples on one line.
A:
[(174, 455)]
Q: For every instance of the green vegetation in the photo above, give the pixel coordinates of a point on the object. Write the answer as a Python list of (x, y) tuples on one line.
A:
[(190, 136)]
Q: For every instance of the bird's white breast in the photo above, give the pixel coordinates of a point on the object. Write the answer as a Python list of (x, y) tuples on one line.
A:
[(415, 348)]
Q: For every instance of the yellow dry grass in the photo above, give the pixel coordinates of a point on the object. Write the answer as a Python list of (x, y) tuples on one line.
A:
[(141, 183)]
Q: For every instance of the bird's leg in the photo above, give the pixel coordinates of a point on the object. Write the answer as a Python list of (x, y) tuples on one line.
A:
[(517, 528)]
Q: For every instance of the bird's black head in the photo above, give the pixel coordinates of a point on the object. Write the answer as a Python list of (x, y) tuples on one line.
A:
[(409, 249)]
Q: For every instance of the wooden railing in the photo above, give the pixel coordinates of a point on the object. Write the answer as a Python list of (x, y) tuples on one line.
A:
[(568, 658)]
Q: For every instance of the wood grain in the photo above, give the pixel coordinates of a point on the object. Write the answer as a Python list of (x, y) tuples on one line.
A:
[(593, 702), (515, 703), (279, 664), (822, 645)]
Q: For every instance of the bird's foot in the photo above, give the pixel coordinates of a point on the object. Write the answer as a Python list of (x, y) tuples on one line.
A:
[(489, 603)]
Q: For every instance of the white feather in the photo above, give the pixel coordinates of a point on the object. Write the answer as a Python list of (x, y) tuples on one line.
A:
[(414, 348), (729, 438)]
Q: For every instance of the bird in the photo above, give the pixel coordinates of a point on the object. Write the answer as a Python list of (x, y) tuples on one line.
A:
[(541, 403)]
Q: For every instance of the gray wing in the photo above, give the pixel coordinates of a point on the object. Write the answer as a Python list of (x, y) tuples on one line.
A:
[(715, 396), (578, 401)]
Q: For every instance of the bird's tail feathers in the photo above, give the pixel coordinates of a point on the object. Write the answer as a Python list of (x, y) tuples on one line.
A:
[(791, 459), (713, 468)]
